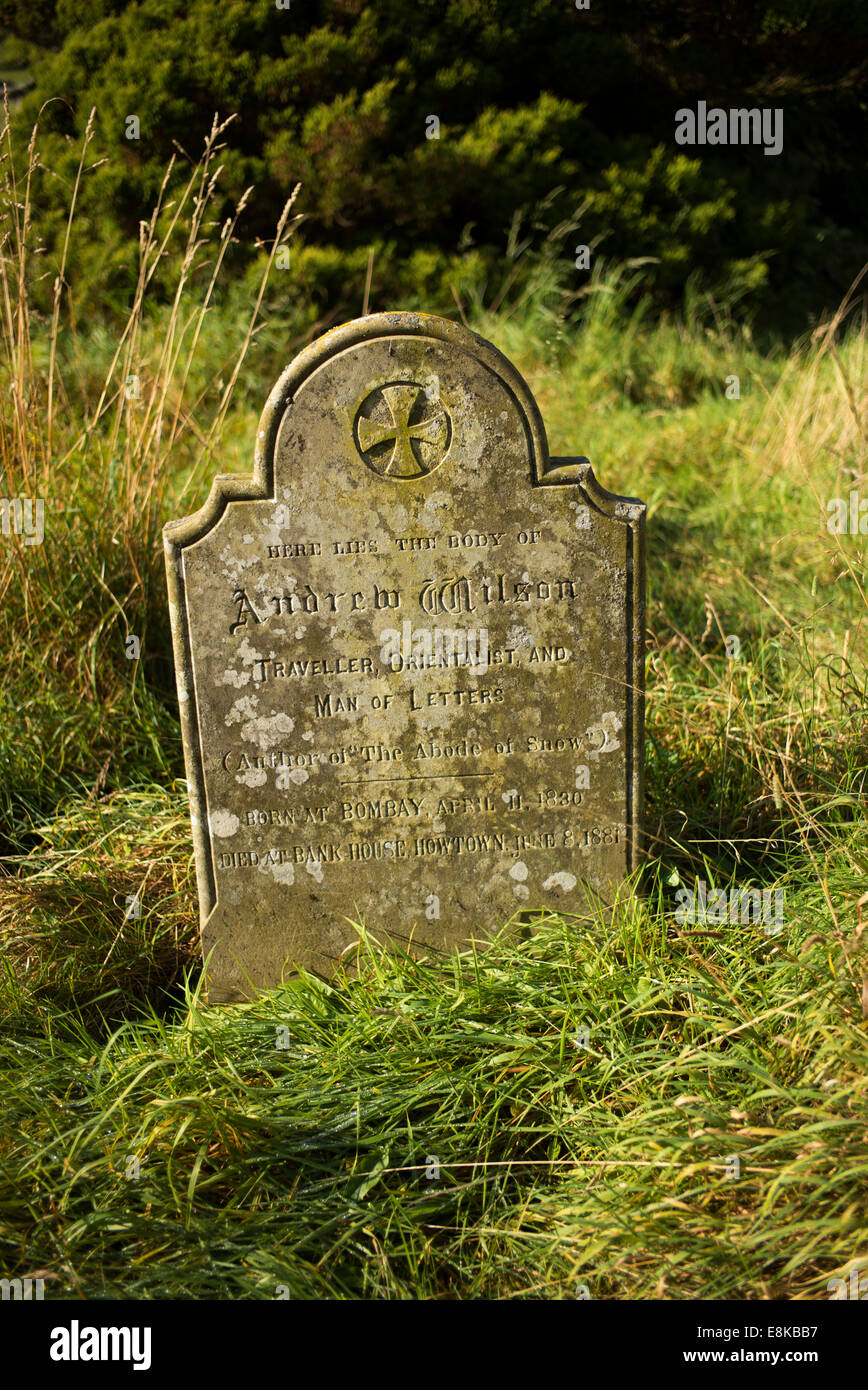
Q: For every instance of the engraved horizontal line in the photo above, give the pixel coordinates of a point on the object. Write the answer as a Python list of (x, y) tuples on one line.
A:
[(440, 777)]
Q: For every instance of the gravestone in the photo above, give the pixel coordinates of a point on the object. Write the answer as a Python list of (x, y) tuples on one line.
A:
[(409, 657)]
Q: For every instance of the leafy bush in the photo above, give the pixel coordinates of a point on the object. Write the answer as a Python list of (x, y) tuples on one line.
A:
[(543, 108)]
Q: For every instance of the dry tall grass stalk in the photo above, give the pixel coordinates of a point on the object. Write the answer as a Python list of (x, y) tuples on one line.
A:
[(128, 437)]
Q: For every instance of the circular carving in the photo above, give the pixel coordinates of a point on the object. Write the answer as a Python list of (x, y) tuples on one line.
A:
[(401, 432)]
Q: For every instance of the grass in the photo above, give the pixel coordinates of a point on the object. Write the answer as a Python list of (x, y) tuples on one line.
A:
[(435, 1128)]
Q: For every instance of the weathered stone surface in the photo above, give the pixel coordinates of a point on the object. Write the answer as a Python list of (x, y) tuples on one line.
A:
[(353, 750)]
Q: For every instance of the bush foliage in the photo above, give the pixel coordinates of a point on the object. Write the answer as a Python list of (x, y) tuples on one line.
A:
[(556, 124)]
